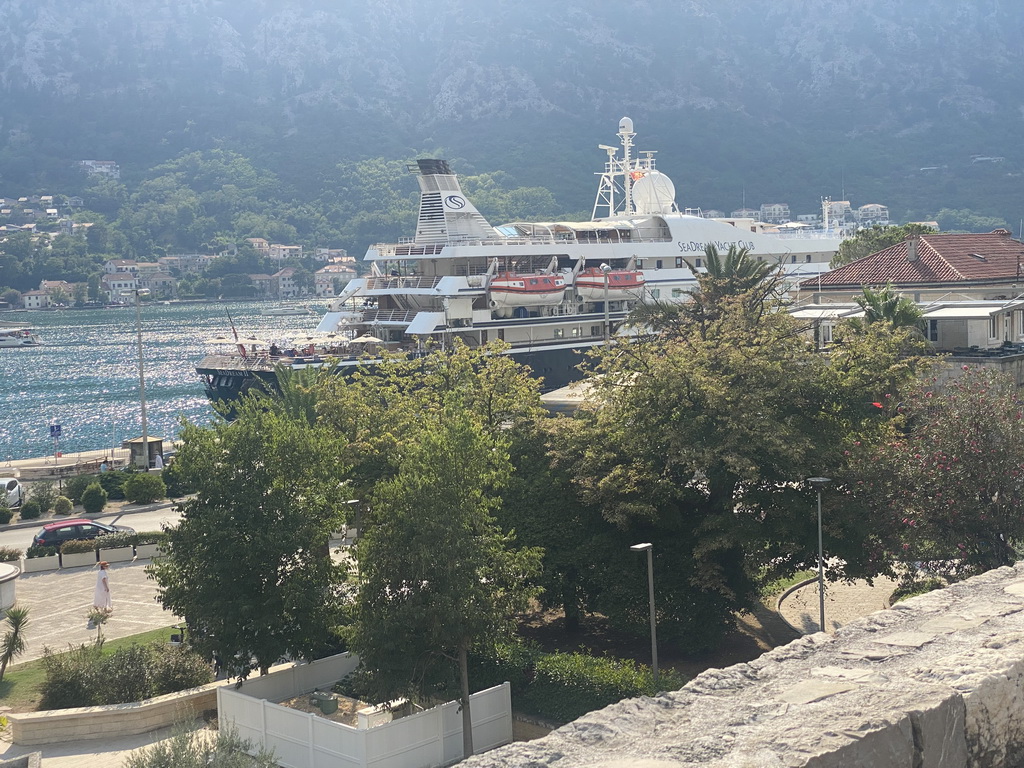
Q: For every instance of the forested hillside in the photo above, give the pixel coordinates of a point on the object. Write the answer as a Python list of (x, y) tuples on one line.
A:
[(322, 103)]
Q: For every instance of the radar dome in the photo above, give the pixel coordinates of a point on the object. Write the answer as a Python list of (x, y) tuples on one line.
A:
[(654, 193), (625, 125)]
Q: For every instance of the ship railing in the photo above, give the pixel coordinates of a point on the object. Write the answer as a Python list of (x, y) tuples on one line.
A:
[(401, 281), (387, 316)]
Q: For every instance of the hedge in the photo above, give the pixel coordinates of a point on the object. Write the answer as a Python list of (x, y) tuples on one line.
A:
[(565, 686), (94, 498)]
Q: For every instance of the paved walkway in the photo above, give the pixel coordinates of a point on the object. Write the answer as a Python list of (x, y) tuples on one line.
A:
[(844, 602)]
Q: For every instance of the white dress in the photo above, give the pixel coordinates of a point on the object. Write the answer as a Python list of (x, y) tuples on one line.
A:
[(101, 597)]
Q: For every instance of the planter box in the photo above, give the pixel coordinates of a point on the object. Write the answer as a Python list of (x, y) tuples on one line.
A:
[(77, 559), (37, 564), (117, 554), (146, 551)]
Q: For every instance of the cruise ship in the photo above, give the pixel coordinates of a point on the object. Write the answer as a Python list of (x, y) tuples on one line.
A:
[(550, 290)]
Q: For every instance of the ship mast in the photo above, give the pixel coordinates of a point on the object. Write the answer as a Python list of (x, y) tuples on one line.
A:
[(617, 172)]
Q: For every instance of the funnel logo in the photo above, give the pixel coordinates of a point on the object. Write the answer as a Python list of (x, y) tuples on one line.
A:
[(455, 202)]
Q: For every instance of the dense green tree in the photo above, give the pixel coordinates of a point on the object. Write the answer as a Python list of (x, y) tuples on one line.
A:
[(874, 239), (248, 564), (945, 488), (952, 220), (437, 577)]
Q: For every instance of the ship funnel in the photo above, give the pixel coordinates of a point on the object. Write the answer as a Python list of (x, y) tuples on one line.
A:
[(446, 215)]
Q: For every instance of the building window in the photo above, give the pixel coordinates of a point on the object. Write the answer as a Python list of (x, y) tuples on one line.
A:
[(933, 330), (992, 327)]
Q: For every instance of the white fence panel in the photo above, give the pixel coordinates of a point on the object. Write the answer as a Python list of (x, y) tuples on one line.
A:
[(492, 722), (244, 712), (408, 742), (301, 678), (290, 734), (336, 745)]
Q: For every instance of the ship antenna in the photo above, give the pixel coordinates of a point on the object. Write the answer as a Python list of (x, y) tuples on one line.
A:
[(240, 345), (626, 135)]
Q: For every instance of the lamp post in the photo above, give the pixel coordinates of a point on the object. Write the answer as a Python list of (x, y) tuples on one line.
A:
[(606, 268), (819, 484), (649, 549), (137, 292)]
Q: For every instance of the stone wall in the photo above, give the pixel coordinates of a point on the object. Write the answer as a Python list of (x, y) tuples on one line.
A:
[(935, 682)]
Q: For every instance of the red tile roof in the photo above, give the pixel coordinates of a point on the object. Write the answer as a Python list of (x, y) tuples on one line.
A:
[(968, 258)]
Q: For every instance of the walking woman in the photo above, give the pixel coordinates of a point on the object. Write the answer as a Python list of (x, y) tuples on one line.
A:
[(101, 597)]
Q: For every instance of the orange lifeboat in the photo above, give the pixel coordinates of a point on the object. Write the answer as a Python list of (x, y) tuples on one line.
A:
[(509, 289), (622, 284)]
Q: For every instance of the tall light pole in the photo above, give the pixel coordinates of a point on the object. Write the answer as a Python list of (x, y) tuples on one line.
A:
[(606, 268), (819, 484), (137, 292), (649, 549)]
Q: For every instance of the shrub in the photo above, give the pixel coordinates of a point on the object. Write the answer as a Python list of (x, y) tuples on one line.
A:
[(565, 686), (77, 546), (113, 482), (144, 488), (30, 510), (126, 675), (72, 678), (151, 537), (44, 494), (75, 486), (35, 551), (177, 483), (114, 540), (915, 587), (94, 498), (7, 554), (5, 512), (176, 668), (62, 506)]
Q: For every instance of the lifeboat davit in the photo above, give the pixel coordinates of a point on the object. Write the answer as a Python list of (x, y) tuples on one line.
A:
[(622, 284), (509, 289)]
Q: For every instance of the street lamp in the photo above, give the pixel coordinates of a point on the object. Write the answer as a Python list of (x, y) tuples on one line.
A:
[(649, 548), (819, 484), (606, 268), (137, 292)]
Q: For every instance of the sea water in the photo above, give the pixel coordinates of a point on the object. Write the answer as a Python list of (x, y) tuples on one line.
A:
[(85, 377)]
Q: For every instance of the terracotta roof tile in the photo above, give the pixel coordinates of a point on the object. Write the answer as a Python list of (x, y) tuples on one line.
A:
[(952, 258)]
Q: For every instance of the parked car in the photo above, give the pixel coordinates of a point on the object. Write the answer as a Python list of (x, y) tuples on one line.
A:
[(55, 534), (15, 493)]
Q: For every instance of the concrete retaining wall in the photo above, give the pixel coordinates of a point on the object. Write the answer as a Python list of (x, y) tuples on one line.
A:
[(935, 682), (58, 725)]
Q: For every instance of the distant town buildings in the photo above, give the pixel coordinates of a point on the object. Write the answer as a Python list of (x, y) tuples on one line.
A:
[(107, 168)]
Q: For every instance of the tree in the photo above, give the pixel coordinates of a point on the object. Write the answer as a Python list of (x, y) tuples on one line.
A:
[(885, 304), (874, 239), (945, 488), (436, 576), (248, 565), (12, 644)]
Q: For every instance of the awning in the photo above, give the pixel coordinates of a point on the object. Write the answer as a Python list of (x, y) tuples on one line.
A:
[(425, 323)]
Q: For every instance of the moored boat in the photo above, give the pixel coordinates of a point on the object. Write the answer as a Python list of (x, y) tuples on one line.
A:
[(550, 290), (18, 337)]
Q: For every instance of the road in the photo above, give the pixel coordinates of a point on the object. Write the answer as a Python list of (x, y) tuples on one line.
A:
[(140, 521)]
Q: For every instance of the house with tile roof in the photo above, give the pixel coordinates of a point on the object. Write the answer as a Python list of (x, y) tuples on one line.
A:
[(970, 288)]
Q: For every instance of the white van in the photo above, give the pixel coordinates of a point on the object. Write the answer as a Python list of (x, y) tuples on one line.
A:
[(15, 493)]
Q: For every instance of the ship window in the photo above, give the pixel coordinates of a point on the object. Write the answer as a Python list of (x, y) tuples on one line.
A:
[(657, 264), (677, 292), (595, 330), (639, 263), (577, 332), (679, 261), (559, 333), (793, 259), (655, 293), (808, 258), (698, 263)]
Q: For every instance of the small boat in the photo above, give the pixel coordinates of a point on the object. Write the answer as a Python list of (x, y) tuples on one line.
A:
[(18, 337), (288, 309), (509, 289), (622, 284)]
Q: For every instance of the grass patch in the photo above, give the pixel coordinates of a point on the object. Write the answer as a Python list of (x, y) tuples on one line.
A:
[(777, 587), (21, 688)]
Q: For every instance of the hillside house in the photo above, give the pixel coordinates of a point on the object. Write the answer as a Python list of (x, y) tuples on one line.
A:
[(328, 279), (35, 300)]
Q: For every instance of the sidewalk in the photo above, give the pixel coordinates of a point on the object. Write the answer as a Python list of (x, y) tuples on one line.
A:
[(844, 602), (58, 602)]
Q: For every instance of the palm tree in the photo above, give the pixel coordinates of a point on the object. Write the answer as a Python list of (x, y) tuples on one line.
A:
[(12, 644), (734, 273), (884, 304)]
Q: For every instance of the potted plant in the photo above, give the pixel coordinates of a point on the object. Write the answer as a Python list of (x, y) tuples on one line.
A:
[(10, 555), (76, 553), (40, 559), (149, 544), (117, 547)]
